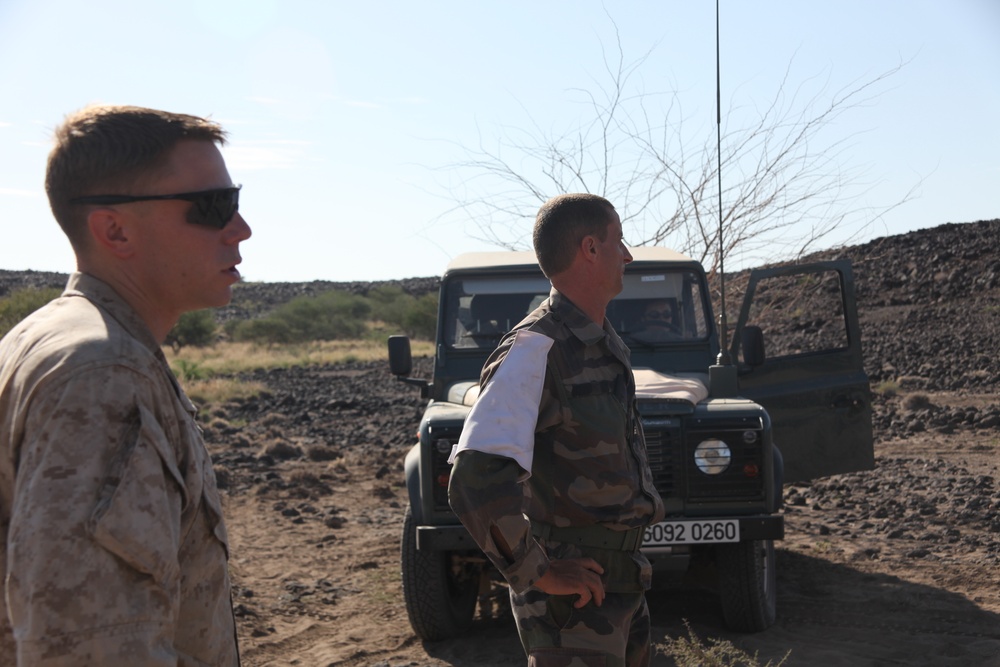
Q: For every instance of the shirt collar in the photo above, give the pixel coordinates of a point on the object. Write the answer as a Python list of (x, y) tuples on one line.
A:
[(105, 297), (584, 328)]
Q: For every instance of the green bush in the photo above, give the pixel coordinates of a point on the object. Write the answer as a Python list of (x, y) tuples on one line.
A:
[(188, 371), (196, 328), (389, 304), (267, 330), (329, 316), (420, 320), (417, 317), (22, 302)]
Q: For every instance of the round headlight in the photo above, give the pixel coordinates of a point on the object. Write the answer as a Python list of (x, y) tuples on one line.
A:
[(712, 456)]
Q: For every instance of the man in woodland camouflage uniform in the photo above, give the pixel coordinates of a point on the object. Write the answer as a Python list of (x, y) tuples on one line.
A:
[(550, 474), (111, 533)]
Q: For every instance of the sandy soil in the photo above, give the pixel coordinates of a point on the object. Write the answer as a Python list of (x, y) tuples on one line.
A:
[(896, 566)]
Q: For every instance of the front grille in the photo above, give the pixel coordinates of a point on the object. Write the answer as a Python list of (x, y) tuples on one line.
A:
[(662, 449), (670, 449)]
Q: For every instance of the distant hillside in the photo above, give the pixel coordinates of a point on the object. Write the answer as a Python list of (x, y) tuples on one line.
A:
[(929, 303), (249, 299)]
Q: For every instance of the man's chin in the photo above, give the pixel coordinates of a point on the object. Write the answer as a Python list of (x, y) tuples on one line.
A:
[(217, 298)]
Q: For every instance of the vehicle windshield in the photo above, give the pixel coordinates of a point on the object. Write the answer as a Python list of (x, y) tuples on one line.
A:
[(660, 307), (655, 306)]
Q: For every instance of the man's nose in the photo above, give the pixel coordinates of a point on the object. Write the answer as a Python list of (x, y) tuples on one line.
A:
[(237, 229)]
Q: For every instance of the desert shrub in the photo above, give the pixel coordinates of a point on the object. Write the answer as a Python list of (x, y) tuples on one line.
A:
[(321, 453), (332, 315), (268, 330), (22, 302), (887, 388), (692, 651), (916, 402), (420, 320), (389, 303), (328, 316), (196, 328), (415, 316), (189, 371)]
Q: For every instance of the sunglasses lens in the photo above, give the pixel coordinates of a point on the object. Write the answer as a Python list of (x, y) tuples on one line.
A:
[(216, 208)]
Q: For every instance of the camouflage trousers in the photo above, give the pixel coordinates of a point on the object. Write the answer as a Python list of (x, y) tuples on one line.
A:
[(556, 634)]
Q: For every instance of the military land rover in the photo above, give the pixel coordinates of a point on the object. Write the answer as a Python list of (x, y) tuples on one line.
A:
[(713, 430)]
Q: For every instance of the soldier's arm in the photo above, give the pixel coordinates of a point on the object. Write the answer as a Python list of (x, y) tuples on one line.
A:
[(93, 543), (486, 494)]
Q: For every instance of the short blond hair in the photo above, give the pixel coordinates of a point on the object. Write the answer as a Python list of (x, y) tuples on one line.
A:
[(104, 149)]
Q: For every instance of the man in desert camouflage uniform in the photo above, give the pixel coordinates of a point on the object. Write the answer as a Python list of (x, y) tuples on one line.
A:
[(550, 475), (113, 544)]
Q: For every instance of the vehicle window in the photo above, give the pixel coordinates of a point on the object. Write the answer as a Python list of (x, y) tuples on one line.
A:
[(800, 314), (481, 310), (660, 307), (654, 307)]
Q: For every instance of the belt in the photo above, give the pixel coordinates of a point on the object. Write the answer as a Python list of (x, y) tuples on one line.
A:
[(591, 536)]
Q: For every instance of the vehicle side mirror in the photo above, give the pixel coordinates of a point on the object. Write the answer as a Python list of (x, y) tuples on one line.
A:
[(400, 357), (752, 346)]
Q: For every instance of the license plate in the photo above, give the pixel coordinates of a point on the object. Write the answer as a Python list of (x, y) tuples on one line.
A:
[(692, 532)]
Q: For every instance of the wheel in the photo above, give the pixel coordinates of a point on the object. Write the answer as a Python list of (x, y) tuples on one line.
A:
[(747, 584), (439, 589)]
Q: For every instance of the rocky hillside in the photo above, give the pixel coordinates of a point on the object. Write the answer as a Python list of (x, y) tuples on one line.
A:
[(929, 303)]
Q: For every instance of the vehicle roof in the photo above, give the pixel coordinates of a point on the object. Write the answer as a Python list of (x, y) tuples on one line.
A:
[(512, 259)]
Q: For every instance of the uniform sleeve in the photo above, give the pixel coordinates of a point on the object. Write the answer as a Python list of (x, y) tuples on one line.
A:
[(503, 420), (494, 458), (93, 573), (487, 495)]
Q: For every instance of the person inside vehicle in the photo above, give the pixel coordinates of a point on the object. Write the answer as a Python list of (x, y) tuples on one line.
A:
[(658, 321)]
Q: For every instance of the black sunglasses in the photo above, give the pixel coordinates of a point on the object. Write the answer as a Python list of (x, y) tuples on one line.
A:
[(212, 208)]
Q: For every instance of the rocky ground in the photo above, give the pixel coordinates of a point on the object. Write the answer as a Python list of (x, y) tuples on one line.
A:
[(898, 565), (894, 566)]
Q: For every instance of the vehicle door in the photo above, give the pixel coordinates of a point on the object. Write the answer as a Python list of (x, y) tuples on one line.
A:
[(812, 382)]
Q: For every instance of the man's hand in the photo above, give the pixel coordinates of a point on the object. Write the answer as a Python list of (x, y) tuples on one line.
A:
[(574, 576)]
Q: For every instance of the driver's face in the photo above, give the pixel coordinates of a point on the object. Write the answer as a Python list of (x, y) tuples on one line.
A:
[(658, 315)]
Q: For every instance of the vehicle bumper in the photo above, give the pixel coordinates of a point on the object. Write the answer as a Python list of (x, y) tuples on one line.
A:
[(444, 538)]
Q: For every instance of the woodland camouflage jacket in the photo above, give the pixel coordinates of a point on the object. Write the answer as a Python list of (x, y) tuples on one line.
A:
[(555, 437)]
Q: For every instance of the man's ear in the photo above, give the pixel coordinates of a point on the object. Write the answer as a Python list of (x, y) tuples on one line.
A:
[(109, 232), (588, 247)]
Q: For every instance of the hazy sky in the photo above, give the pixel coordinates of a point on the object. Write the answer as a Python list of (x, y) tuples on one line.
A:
[(345, 116)]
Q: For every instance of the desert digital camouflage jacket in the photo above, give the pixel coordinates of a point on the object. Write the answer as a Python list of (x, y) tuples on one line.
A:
[(114, 548), (555, 437)]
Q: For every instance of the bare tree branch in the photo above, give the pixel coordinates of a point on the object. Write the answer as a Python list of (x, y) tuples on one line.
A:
[(790, 186)]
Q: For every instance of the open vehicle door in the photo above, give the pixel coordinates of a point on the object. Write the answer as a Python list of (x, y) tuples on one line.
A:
[(812, 381)]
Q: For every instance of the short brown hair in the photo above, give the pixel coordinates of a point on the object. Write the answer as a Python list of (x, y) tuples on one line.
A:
[(561, 224), (111, 150)]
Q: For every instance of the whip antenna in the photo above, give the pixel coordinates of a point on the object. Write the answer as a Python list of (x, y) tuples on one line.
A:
[(724, 325), (722, 377)]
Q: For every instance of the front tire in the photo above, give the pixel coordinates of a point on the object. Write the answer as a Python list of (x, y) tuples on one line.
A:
[(440, 591), (747, 584)]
